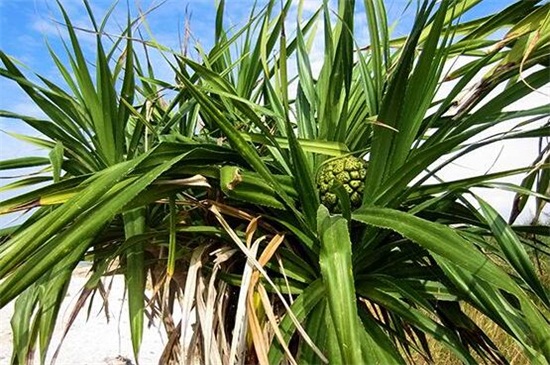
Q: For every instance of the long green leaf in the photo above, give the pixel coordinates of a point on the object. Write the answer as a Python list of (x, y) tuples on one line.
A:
[(328, 148), (391, 111), (446, 245), (337, 271), (22, 162), (380, 295), (134, 224), (513, 249)]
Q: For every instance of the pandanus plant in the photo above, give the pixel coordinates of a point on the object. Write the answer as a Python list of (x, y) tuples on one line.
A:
[(213, 187)]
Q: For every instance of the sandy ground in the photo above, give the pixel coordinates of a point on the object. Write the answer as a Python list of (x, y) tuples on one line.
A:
[(95, 341)]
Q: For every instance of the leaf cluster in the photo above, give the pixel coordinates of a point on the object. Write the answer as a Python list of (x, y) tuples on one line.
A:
[(208, 192)]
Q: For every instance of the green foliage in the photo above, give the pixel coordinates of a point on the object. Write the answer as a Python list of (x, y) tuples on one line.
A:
[(215, 193)]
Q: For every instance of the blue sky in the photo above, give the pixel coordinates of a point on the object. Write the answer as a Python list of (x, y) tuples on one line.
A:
[(25, 25)]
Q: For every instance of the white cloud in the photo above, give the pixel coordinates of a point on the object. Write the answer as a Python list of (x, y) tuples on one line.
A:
[(500, 156), (27, 108), (45, 26)]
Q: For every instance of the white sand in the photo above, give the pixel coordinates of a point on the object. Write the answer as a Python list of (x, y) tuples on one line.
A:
[(94, 341)]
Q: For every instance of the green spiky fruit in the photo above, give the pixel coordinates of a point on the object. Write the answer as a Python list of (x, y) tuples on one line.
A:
[(350, 172)]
